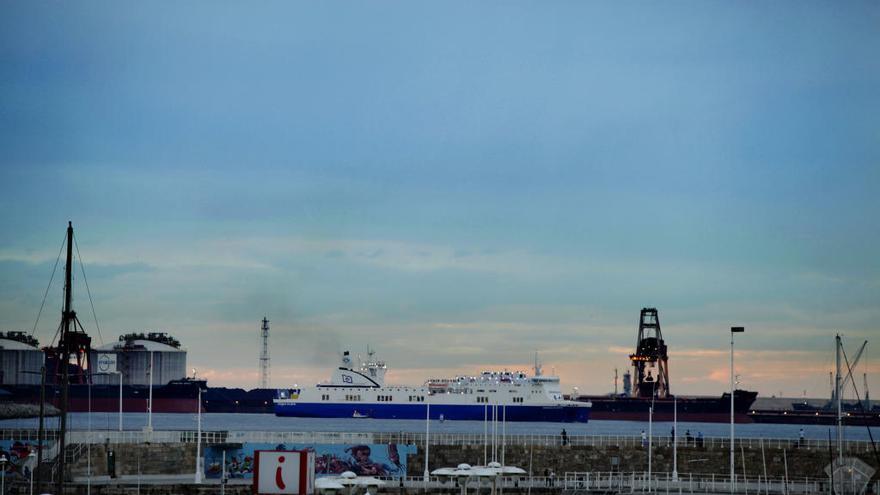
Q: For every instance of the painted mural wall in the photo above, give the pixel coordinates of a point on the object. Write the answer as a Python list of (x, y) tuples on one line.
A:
[(16, 453), (330, 459)]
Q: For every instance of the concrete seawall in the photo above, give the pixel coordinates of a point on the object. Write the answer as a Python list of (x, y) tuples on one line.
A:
[(801, 461), (167, 464), (173, 459)]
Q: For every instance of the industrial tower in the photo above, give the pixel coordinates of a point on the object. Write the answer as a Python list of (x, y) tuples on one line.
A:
[(650, 361), (264, 355)]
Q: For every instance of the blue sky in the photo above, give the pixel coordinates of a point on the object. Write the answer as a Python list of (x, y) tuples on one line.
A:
[(456, 184)]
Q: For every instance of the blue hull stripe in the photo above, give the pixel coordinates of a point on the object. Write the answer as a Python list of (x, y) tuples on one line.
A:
[(566, 414)]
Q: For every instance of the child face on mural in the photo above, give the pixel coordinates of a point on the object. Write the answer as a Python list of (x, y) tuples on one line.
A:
[(364, 465), (362, 456)]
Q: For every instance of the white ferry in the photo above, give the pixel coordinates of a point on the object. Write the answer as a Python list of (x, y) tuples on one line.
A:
[(360, 392)]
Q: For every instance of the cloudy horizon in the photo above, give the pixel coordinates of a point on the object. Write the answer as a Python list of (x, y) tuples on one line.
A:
[(455, 185)]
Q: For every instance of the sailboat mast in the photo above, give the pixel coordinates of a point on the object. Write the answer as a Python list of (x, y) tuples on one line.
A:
[(837, 393), (63, 358)]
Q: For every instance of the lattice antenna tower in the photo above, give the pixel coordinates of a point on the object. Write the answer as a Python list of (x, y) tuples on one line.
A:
[(264, 354)]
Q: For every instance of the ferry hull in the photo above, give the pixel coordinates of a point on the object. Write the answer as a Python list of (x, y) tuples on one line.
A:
[(551, 413)]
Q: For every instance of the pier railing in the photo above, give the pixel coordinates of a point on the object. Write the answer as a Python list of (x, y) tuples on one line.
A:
[(664, 482), (453, 439), (661, 483)]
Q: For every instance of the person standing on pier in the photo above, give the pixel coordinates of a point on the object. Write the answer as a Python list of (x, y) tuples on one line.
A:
[(644, 439), (564, 438)]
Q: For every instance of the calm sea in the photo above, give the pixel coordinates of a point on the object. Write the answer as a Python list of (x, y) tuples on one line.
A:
[(269, 422)]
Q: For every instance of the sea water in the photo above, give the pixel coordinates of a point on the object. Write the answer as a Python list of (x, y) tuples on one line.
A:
[(270, 422)]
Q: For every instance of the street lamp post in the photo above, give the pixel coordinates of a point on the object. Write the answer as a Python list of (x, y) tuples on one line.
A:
[(149, 427), (32, 456), (427, 474), (651, 432), (733, 330), (675, 439), (2, 474), (120, 400), (119, 374), (650, 435), (198, 475), (89, 445)]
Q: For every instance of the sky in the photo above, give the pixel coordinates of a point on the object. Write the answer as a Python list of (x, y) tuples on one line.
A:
[(455, 184)]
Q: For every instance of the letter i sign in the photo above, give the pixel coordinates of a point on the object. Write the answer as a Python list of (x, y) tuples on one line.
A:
[(284, 472)]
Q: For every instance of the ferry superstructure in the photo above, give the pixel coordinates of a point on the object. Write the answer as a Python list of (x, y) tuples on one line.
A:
[(360, 392)]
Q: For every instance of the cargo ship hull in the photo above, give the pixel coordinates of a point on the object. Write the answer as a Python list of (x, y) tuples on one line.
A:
[(814, 418), (176, 397), (237, 400), (694, 409)]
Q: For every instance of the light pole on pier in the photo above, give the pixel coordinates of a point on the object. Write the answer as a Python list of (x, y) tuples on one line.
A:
[(650, 435), (198, 475), (32, 456), (675, 439), (149, 427), (733, 330), (651, 432), (2, 473), (427, 442)]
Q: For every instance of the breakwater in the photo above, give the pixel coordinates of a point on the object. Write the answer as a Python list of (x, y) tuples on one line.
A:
[(12, 410)]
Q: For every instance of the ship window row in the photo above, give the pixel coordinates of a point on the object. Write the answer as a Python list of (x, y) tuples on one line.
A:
[(417, 398), (325, 397), (384, 398), (518, 399), (482, 400), (353, 397)]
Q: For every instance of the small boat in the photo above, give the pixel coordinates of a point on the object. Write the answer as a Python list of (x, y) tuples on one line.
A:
[(359, 415)]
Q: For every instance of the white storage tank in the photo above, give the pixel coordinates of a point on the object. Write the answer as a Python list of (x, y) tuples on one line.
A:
[(20, 359), (132, 353)]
